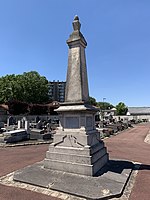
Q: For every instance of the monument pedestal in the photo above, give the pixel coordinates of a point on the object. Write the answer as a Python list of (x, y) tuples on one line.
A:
[(77, 147)]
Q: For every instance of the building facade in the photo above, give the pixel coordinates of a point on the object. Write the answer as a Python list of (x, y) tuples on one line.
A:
[(135, 113), (57, 90)]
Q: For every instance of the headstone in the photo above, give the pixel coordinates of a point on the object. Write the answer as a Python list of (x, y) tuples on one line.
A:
[(27, 126), (2, 124), (23, 122), (39, 124), (37, 119), (10, 121), (77, 147), (48, 126), (19, 124)]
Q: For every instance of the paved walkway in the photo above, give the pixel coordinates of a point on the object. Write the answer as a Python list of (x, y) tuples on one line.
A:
[(127, 145), (130, 145)]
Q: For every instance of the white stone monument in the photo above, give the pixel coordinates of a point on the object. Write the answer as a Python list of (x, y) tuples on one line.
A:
[(77, 147)]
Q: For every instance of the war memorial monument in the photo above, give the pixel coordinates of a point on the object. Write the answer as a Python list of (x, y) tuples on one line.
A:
[(77, 161)]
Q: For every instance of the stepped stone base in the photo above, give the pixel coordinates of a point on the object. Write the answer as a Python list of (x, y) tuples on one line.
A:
[(68, 155)]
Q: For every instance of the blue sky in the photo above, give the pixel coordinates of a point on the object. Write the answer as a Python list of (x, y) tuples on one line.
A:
[(33, 36)]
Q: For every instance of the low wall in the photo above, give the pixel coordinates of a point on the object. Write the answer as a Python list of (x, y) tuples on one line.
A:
[(130, 117)]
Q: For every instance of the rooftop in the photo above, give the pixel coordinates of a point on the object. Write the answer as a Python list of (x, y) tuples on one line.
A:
[(139, 110)]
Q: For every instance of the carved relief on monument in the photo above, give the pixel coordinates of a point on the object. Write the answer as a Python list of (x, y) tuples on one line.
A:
[(69, 141)]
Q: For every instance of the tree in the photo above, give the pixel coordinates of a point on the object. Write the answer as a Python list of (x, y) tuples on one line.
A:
[(92, 101), (35, 87), (29, 87), (101, 105), (6, 87), (121, 108), (104, 105)]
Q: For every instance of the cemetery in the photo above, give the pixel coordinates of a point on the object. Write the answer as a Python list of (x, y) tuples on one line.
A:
[(20, 125), (25, 128), (77, 161), (74, 100), (20, 122), (42, 127)]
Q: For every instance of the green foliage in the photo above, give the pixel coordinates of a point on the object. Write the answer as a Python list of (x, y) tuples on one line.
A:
[(104, 105), (92, 101), (121, 108), (101, 105), (29, 87)]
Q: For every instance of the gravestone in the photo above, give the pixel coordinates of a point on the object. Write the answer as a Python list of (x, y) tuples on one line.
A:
[(2, 125), (77, 147), (39, 124), (48, 126), (37, 119), (27, 126), (19, 124), (10, 121)]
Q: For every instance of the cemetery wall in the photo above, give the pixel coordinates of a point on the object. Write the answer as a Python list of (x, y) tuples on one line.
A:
[(130, 117)]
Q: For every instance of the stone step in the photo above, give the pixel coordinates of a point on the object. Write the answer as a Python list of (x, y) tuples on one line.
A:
[(86, 150), (76, 158), (76, 168)]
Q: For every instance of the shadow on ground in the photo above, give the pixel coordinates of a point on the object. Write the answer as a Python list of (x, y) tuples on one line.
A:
[(116, 166), (144, 167)]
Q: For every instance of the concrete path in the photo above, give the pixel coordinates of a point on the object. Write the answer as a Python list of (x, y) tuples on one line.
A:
[(127, 145)]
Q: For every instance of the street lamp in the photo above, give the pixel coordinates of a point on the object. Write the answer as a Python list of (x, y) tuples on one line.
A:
[(103, 107), (103, 101)]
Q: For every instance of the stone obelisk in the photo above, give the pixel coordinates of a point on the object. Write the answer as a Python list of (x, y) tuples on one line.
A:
[(77, 147), (77, 82)]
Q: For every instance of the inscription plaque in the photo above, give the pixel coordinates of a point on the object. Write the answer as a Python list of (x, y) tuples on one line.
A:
[(72, 122)]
